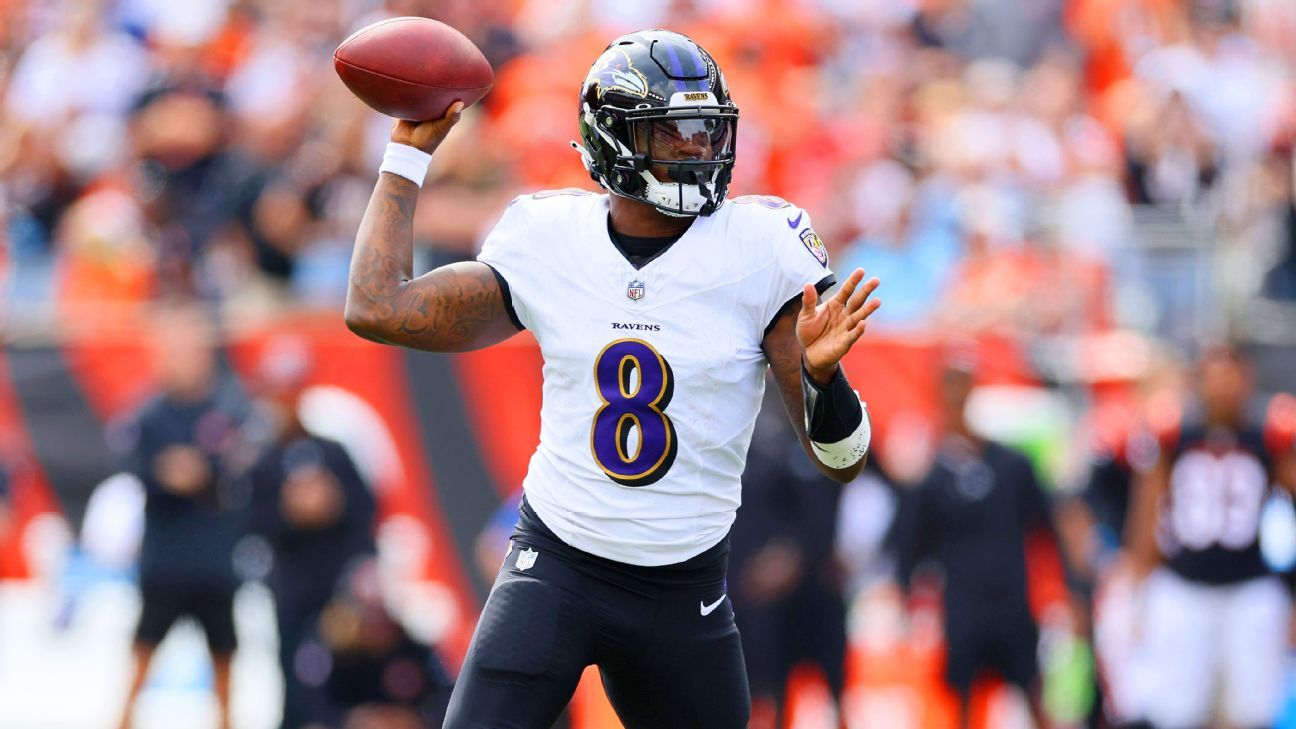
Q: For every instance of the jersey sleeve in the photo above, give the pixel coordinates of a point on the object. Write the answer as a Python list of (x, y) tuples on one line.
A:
[(505, 250), (800, 258)]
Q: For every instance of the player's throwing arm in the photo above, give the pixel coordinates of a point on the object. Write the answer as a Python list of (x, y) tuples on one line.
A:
[(415, 68), (454, 308)]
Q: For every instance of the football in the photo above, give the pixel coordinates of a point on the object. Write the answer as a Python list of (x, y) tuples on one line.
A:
[(412, 68)]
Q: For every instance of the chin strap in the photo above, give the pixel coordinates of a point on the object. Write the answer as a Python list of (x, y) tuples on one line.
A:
[(586, 159), (656, 189)]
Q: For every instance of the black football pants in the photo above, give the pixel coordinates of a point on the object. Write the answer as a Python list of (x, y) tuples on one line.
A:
[(664, 641)]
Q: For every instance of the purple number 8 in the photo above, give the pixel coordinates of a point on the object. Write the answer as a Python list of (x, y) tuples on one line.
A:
[(625, 409)]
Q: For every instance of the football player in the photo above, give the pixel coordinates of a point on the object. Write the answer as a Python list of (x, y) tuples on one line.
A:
[(1212, 610), (657, 308)]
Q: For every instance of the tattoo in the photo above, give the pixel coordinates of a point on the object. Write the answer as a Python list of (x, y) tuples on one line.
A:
[(454, 305), (451, 309)]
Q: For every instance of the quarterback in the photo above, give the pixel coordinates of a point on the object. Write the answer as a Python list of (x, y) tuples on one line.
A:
[(657, 307)]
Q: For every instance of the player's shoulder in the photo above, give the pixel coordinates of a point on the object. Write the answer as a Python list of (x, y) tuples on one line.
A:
[(762, 209), (778, 223), (545, 209), (551, 202)]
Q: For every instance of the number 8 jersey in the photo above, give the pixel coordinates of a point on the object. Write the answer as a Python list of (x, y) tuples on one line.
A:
[(652, 375)]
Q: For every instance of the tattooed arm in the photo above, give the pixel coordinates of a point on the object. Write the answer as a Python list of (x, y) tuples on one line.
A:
[(451, 309)]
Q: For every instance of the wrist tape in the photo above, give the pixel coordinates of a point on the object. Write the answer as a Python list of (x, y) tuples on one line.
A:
[(406, 161)]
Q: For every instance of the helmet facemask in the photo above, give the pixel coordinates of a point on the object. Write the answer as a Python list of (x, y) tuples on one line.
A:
[(677, 159)]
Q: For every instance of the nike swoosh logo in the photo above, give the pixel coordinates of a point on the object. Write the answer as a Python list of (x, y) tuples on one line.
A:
[(793, 223), (708, 609)]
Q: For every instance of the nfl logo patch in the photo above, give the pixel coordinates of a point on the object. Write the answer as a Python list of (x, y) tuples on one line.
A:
[(526, 558), (635, 290)]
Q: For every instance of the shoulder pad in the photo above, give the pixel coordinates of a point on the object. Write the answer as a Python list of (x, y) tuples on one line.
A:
[(766, 201), (576, 191)]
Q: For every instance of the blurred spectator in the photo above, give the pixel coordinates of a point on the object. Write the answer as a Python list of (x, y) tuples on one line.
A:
[(1280, 281), (786, 588), (1019, 30), (81, 67), (176, 445), (247, 168), (1171, 158), (971, 515), (177, 132), (1215, 620), (316, 513), (66, 108), (384, 678), (1093, 524), (913, 251)]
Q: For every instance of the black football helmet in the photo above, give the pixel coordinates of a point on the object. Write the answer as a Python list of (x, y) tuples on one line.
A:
[(657, 124)]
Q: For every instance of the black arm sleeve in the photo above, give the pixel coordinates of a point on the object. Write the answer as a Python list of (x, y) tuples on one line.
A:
[(833, 411)]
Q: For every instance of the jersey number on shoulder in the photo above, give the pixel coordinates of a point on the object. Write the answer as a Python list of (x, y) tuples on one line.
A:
[(632, 439)]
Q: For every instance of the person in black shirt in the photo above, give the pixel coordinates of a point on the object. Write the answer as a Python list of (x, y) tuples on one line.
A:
[(377, 670), (176, 445), (317, 514), (786, 585), (971, 515), (1215, 619)]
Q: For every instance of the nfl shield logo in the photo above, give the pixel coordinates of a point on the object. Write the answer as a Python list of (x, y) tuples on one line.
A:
[(635, 290), (526, 558)]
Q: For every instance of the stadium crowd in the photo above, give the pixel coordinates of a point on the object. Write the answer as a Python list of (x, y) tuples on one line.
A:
[(1108, 184), (949, 145)]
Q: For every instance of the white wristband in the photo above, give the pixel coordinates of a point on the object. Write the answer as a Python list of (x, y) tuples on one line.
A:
[(406, 161), (849, 450)]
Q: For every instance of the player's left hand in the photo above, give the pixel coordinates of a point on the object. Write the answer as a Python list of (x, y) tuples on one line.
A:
[(828, 330)]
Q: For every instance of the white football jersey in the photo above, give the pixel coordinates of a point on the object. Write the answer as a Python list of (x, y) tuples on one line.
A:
[(652, 376)]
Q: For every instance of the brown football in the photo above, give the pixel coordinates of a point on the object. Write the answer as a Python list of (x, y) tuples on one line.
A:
[(412, 68)]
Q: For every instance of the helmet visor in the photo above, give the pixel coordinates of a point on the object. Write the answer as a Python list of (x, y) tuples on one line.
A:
[(696, 139)]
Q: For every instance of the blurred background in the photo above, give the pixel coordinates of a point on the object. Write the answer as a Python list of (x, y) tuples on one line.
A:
[(1066, 200)]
